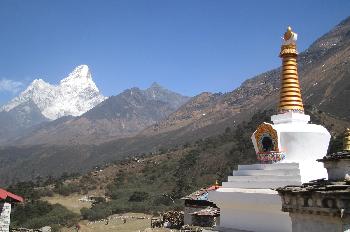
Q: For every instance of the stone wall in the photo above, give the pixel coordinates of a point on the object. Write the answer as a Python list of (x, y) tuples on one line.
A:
[(337, 169), (188, 216), (5, 209), (315, 223)]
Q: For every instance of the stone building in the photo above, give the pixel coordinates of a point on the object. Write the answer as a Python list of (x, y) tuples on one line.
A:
[(286, 150), (6, 199), (199, 211), (322, 205)]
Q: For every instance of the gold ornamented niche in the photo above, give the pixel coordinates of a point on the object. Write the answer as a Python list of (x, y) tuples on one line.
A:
[(266, 138)]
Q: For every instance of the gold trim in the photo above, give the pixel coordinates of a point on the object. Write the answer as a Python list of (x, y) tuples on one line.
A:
[(290, 94)]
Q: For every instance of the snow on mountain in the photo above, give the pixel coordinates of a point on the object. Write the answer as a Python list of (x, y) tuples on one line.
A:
[(74, 95)]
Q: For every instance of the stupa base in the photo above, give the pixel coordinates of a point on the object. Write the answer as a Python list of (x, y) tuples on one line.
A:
[(257, 210), (247, 201)]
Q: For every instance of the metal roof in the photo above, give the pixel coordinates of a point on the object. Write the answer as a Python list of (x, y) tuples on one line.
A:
[(201, 194), (5, 194)]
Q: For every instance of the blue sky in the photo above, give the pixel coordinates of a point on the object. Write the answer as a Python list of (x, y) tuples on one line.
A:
[(189, 46)]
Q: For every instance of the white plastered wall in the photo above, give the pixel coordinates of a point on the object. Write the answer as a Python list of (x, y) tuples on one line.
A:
[(251, 210)]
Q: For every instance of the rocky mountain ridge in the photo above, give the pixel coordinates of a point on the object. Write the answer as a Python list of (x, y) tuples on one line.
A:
[(324, 70), (55, 114), (123, 115), (75, 94)]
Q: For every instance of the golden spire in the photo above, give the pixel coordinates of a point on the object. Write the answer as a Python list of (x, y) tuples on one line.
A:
[(346, 142), (290, 98)]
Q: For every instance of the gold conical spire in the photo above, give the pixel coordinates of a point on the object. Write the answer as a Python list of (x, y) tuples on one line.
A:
[(290, 97), (346, 142)]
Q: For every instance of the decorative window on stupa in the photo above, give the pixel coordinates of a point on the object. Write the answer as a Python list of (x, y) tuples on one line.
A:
[(267, 143), (266, 138)]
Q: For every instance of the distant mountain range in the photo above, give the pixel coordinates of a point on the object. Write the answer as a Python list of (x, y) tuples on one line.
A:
[(143, 121), (119, 116), (71, 111)]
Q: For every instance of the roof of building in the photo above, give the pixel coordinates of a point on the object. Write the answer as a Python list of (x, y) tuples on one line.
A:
[(320, 197), (336, 156), (5, 194), (209, 211), (201, 194), (320, 185), (344, 153)]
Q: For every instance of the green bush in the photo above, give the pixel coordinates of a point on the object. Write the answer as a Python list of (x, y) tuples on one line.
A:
[(98, 200), (97, 212), (59, 215), (37, 214), (138, 196), (45, 192), (25, 189), (66, 189)]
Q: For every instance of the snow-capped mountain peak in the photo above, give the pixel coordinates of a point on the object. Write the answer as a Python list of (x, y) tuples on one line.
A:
[(75, 94), (80, 73), (37, 84), (38, 92)]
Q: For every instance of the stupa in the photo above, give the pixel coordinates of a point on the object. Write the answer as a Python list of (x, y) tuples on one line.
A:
[(287, 151), (291, 138)]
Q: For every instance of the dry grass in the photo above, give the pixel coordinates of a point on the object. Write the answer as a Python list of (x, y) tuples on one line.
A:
[(135, 222), (71, 202)]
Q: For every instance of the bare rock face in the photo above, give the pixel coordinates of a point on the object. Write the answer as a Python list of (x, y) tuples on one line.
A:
[(195, 109)]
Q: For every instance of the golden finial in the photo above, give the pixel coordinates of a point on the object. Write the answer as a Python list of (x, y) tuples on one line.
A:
[(290, 97), (346, 142), (288, 34)]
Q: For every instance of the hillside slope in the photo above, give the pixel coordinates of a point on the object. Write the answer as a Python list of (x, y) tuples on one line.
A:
[(324, 70)]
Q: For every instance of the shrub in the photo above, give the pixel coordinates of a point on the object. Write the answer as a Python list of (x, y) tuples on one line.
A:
[(66, 189), (37, 214), (138, 196), (97, 212)]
